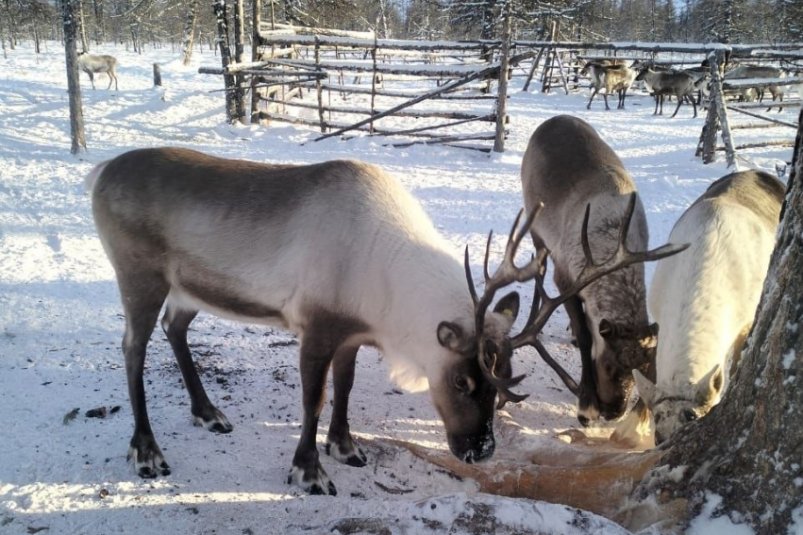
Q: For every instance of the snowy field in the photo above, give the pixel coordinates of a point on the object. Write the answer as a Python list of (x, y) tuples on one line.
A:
[(61, 323)]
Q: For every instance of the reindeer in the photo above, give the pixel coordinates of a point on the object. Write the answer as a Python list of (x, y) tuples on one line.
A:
[(337, 252), (92, 64), (745, 71), (705, 299), (613, 75), (679, 84), (568, 166)]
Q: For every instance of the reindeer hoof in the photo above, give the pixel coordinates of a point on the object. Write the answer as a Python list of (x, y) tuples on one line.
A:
[(213, 420), (349, 453), (312, 481), (148, 462)]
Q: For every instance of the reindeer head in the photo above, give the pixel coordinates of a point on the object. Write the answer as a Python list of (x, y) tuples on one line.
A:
[(625, 348), (673, 410), (465, 391)]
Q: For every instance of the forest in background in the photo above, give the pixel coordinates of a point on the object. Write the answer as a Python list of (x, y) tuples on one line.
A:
[(159, 22)]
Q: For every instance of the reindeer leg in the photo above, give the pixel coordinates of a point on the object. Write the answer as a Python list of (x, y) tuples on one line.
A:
[(307, 471), (605, 96), (175, 324), (587, 403), (142, 296), (339, 443), (91, 79), (593, 94), (680, 101)]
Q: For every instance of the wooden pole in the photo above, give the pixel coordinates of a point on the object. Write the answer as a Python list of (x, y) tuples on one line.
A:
[(373, 86), (533, 68), (722, 112), (157, 75), (501, 97), (225, 57), (318, 88), (256, 16), (239, 53)]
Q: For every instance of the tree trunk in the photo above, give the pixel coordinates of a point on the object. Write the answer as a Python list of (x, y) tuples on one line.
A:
[(69, 11), (82, 26), (189, 31), (749, 449), (229, 82)]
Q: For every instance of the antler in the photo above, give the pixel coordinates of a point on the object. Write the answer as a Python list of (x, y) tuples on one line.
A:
[(506, 273), (591, 272)]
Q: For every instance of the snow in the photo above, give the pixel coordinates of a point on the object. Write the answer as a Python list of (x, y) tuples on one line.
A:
[(62, 325), (711, 521)]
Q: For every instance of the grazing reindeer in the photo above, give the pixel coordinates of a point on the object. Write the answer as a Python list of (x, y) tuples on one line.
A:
[(680, 84), (92, 64), (566, 167), (705, 299), (337, 252), (613, 76)]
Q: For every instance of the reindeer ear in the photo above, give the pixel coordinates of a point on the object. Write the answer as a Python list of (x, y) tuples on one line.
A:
[(508, 306), (451, 336), (646, 388), (649, 337), (710, 386), (606, 328)]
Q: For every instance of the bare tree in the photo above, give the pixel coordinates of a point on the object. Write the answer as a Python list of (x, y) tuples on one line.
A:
[(749, 449), (189, 31), (69, 11)]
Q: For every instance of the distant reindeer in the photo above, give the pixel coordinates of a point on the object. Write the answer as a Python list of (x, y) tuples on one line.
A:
[(92, 64), (745, 71), (705, 298), (680, 84), (613, 76), (567, 167)]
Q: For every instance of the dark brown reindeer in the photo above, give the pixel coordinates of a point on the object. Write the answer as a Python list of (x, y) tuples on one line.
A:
[(567, 167), (337, 252)]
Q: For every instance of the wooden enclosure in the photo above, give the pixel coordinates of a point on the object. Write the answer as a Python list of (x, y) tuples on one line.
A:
[(449, 92)]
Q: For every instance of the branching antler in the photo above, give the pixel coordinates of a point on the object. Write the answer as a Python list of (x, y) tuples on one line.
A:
[(544, 305), (591, 272), (505, 274)]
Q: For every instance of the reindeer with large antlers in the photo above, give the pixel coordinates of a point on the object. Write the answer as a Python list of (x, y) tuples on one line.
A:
[(568, 167)]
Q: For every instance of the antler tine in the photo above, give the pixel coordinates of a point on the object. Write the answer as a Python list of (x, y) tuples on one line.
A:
[(502, 386), (469, 279), (584, 236), (487, 254), (570, 383)]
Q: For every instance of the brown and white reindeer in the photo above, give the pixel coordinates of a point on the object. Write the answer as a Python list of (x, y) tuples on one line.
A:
[(337, 252), (611, 75), (93, 64), (705, 299), (567, 166)]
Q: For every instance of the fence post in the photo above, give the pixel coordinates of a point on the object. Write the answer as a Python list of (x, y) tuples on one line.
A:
[(157, 75), (318, 87), (501, 96), (373, 85)]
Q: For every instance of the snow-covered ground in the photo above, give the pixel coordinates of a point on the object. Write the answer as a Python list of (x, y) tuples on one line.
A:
[(62, 325)]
